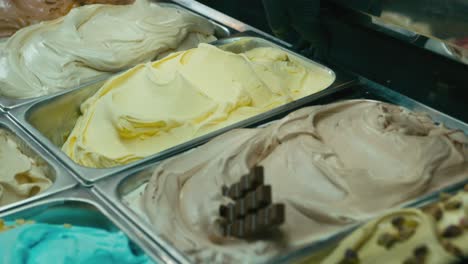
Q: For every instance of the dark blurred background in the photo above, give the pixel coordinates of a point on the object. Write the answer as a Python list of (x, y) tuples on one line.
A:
[(418, 73), (247, 11)]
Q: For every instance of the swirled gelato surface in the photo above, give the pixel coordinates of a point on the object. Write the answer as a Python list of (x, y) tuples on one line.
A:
[(155, 106), (16, 14), (436, 234), (21, 176), (91, 41), (47, 243), (332, 166)]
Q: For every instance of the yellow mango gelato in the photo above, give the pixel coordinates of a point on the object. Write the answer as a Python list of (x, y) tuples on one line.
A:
[(155, 106)]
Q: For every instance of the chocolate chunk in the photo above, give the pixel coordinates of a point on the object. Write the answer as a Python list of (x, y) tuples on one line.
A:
[(251, 181), (224, 211), (251, 224), (263, 196), (465, 188), (452, 231), (252, 212), (240, 209), (225, 190), (276, 214), (235, 191), (251, 202), (228, 211), (246, 184), (257, 175)]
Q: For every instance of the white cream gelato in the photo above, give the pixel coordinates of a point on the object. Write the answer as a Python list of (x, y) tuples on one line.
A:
[(20, 176), (92, 41)]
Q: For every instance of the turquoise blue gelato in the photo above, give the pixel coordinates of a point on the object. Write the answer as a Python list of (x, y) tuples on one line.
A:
[(46, 243)]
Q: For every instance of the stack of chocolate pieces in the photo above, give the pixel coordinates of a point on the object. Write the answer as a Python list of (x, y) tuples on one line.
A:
[(252, 212)]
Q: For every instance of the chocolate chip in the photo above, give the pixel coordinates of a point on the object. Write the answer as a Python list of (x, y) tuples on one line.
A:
[(453, 205), (350, 257), (465, 188), (398, 221), (452, 231), (421, 251), (452, 249), (387, 240), (435, 211), (351, 254)]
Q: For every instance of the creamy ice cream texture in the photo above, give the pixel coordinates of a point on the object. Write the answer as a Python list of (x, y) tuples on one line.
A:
[(91, 41), (30, 242), (155, 106), (332, 166), (16, 14), (20, 176), (437, 234)]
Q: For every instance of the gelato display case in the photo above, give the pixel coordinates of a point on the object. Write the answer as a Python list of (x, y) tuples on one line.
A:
[(187, 132)]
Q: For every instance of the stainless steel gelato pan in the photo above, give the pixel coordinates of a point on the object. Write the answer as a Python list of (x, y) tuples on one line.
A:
[(60, 177), (79, 207), (51, 119), (113, 189), (9, 103)]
